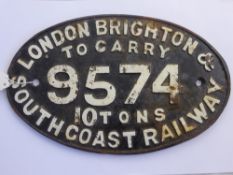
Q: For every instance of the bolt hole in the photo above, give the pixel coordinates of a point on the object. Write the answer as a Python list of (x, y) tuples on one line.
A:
[(200, 82), (35, 82)]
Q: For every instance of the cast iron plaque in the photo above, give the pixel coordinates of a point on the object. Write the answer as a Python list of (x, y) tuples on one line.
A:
[(118, 84)]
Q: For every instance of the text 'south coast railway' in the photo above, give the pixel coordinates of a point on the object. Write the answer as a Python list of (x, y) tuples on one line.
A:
[(118, 84)]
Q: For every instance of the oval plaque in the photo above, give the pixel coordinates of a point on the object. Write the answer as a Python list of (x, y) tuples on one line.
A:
[(118, 84)]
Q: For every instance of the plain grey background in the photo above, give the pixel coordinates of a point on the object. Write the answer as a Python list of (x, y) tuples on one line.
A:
[(24, 151)]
